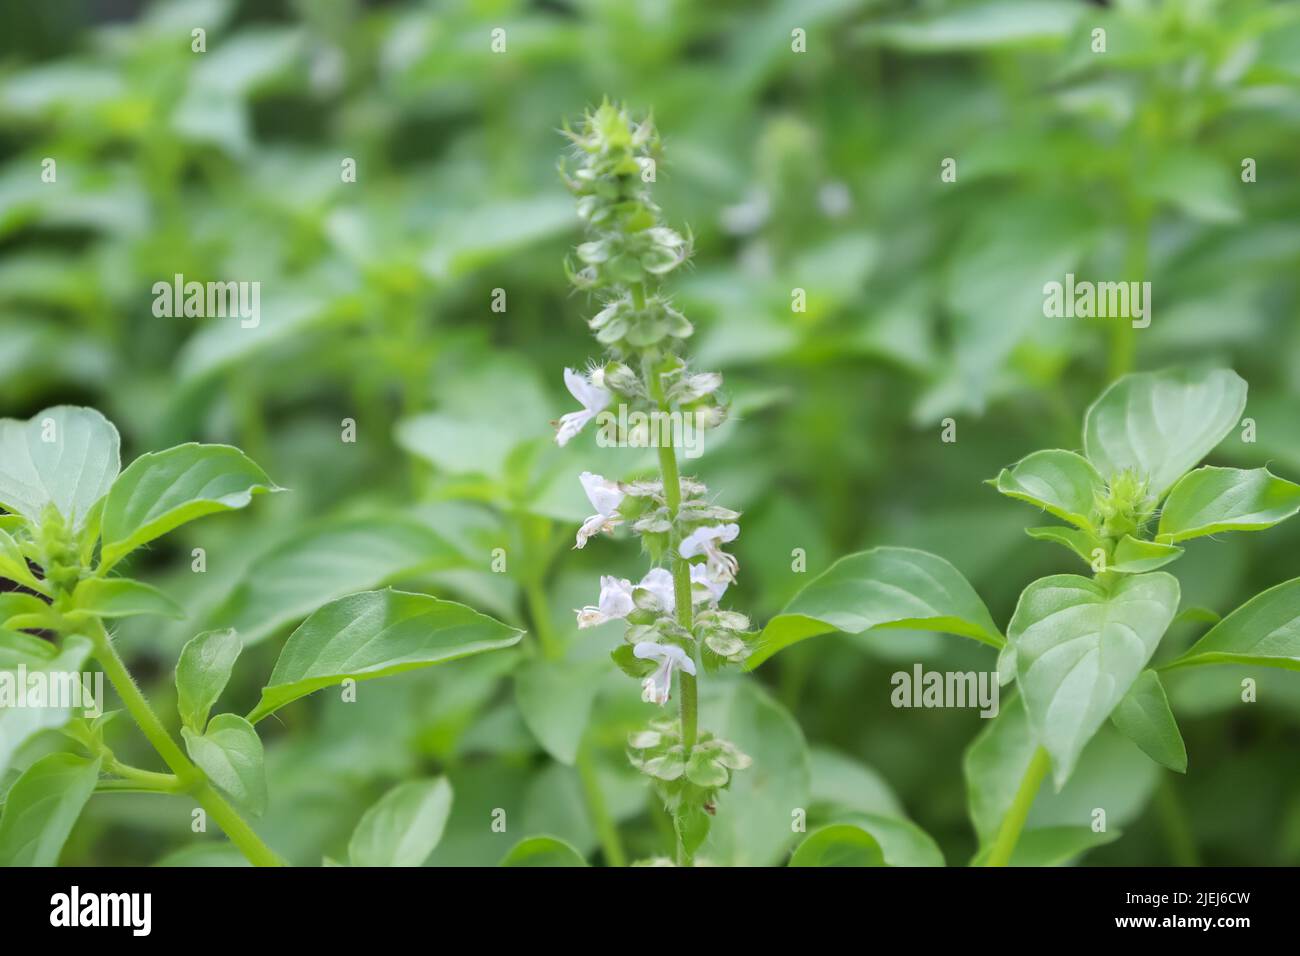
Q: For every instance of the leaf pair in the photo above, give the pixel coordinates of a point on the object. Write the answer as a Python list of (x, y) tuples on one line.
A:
[(69, 458), (1154, 426)]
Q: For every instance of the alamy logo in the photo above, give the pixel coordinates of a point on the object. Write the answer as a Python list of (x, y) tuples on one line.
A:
[(21, 689), (653, 429), (1099, 300), (922, 688), (210, 300), (133, 910)]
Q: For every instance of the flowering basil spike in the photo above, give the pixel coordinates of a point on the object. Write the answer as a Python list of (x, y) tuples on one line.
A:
[(657, 688)]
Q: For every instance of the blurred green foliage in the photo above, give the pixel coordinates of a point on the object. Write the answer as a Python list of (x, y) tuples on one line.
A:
[(816, 170)]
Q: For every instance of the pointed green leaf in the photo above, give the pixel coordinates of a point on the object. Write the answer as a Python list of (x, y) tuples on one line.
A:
[(123, 597), (883, 587), (374, 634), (1060, 482), (1161, 424), (163, 490), (43, 806), (325, 561), (554, 699), (29, 650), (202, 672), (1081, 543), (63, 456), (230, 753), (1080, 645), (404, 826), (840, 844), (543, 851), (14, 566), (1209, 500), (1265, 630), (1145, 718), (1133, 556)]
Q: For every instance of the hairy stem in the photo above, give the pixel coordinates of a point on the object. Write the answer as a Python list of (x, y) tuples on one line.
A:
[(1009, 832), (189, 777)]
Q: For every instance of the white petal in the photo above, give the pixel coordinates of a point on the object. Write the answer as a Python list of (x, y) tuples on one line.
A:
[(605, 496), (703, 574), (615, 597), (659, 582), (590, 396), (571, 424)]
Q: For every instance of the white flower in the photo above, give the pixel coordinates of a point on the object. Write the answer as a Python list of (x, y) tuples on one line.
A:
[(591, 395), (615, 602), (659, 582), (656, 688), (605, 496), (702, 574), (708, 541)]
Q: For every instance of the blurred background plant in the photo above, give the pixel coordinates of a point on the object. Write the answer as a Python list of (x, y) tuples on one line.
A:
[(817, 171)]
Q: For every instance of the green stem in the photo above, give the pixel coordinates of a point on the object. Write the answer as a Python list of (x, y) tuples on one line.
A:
[(1009, 832), (146, 779), (1173, 820), (606, 828), (688, 690), (188, 776)]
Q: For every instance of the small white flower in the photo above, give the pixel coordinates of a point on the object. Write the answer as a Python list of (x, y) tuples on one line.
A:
[(708, 541), (659, 582), (615, 602), (702, 574), (656, 688), (605, 496), (593, 398)]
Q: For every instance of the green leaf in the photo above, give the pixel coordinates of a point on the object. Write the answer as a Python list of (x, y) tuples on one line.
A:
[(1081, 543), (1137, 557), (1145, 718), (752, 824), (18, 609), (42, 807), (555, 698), (691, 823), (18, 724), (1209, 500), (1079, 646), (202, 672), (163, 490), (979, 26), (14, 566), (1161, 424), (230, 753), (404, 826), (886, 588), (123, 597), (1060, 482), (840, 844), (374, 634), (902, 841), (26, 649), (1265, 631), (543, 851), (325, 561), (1053, 846), (63, 456)]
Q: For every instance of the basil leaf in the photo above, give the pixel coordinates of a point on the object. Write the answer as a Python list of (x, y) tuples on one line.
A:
[(404, 826), (1145, 718), (374, 634), (202, 672), (1060, 482), (883, 587), (840, 844), (123, 597), (63, 456), (162, 490), (229, 752), (1209, 500), (1265, 631), (43, 806), (1079, 646), (543, 851)]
